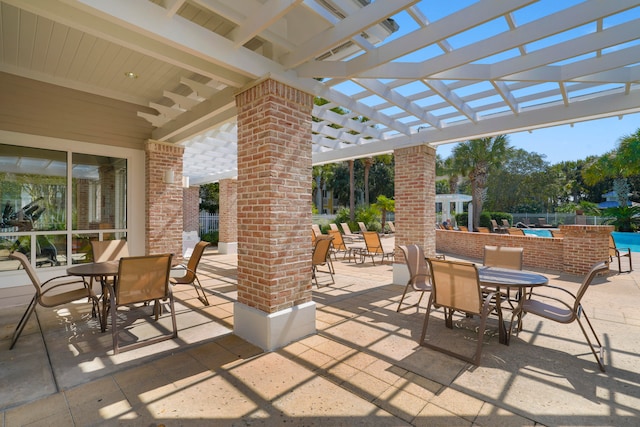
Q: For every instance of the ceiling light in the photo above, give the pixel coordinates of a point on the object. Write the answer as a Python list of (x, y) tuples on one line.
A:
[(131, 74)]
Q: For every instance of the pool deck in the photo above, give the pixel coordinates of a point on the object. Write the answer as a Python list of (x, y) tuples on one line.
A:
[(363, 367)]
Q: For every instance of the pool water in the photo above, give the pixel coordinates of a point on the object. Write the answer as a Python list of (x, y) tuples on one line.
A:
[(537, 232), (627, 240)]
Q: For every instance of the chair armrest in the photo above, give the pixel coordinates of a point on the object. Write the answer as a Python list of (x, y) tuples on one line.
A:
[(71, 279)]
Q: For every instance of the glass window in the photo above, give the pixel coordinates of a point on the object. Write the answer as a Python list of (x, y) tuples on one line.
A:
[(33, 201)]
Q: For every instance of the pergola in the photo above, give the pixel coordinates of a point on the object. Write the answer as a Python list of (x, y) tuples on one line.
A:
[(220, 89), (419, 71)]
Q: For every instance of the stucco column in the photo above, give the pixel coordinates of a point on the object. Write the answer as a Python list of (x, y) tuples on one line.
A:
[(163, 222), (274, 304), (415, 196), (228, 221)]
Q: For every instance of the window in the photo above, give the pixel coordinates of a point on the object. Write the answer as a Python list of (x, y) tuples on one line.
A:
[(34, 192)]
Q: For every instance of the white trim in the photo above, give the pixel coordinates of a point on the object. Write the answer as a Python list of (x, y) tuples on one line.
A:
[(275, 330)]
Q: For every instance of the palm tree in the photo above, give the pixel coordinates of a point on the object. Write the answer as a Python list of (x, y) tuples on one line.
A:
[(385, 205), (476, 158)]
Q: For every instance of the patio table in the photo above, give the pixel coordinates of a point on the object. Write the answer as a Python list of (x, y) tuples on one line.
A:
[(507, 278), (99, 270)]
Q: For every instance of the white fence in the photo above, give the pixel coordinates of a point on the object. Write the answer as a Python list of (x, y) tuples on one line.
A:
[(208, 222)]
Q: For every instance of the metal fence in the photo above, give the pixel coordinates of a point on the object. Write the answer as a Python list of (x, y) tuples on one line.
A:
[(208, 222)]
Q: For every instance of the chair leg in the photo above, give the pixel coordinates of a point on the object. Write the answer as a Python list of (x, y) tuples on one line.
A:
[(200, 292), (598, 355), (426, 320), (23, 322)]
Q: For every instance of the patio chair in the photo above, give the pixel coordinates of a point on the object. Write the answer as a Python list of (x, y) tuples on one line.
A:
[(373, 247), (456, 287), (142, 279), (619, 253), (419, 276), (109, 250), (503, 257), (190, 277), (515, 231), (495, 228), (348, 234), (321, 258), (505, 224), (337, 244), (563, 310), (316, 229), (334, 226), (51, 294), (363, 228)]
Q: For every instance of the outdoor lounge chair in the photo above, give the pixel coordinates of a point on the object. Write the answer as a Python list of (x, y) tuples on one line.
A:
[(334, 226), (505, 224), (49, 294), (190, 277), (456, 287), (419, 276), (363, 228), (141, 280), (321, 258), (483, 230), (617, 252), (391, 226), (373, 247), (563, 310), (495, 228), (348, 234), (337, 244), (515, 231), (316, 229)]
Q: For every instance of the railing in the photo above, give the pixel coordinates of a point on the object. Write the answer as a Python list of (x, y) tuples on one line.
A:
[(208, 222)]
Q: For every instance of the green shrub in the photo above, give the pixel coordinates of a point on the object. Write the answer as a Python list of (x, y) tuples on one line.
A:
[(211, 237)]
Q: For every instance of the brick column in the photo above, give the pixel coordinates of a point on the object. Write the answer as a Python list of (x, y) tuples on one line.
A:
[(191, 209), (584, 245), (163, 222), (415, 196), (228, 221), (274, 215)]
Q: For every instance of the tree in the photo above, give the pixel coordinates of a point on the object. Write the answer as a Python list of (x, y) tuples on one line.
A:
[(210, 197), (385, 205), (476, 159), (368, 162), (352, 202)]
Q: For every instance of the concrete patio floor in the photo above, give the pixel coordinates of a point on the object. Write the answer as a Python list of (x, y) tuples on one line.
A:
[(363, 367)]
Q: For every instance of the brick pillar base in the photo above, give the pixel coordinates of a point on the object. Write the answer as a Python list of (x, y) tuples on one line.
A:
[(415, 195), (228, 236), (274, 304), (584, 245), (163, 200)]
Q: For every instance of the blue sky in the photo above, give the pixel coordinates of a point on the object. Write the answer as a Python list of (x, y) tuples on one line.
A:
[(563, 143)]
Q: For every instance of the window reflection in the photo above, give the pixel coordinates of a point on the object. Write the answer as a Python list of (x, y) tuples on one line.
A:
[(33, 203)]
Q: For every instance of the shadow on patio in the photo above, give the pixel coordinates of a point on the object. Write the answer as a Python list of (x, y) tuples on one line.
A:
[(362, 367)]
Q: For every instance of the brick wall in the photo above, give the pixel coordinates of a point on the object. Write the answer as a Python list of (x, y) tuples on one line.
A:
[(191, 208), (415, 198), (575, 254), (163, 222), (274, 196), (228, 211)]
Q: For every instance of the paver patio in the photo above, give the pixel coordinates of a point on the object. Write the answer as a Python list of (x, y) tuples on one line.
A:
[(363, 367)]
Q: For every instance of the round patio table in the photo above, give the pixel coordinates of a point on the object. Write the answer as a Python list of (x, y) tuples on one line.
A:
[(507, 278), (100, 270)]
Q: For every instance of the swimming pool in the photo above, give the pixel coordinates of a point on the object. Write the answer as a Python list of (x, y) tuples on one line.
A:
[(627, 240), (540, 232)]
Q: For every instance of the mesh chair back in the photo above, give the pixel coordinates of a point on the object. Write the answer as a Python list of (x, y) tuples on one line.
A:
[(503, 257), (321, 250), (456, 285), (31, 272), (595, 269), (345, 229), (416, 263), (109, 250), (612, 246), (372, 240), (316, 229), (363, 228), (334, 226), (338, 242), (143, 278), (192, 265)]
